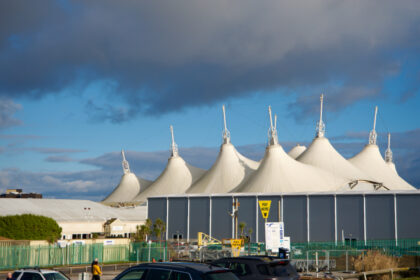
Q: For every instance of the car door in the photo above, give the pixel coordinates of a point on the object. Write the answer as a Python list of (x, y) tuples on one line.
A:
[(242, 270), (158, 274)]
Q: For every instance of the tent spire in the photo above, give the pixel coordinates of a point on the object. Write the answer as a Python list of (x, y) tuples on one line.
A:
[(388, 152), (372, 134), (125, 165), (226, 132), (174, 146), (320, 125), (272, 132)]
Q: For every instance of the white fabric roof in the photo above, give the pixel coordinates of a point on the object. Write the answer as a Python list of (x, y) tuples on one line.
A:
[(296, 151), (323, 155), (68, 210), (127, 189), (278, 172), (371, 162), (229, 170), (175, 179), (392, 166)]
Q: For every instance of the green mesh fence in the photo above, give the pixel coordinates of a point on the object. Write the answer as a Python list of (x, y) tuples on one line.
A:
[(12, 257), (403, 247)]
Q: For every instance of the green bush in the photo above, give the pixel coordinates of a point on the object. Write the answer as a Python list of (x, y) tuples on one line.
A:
[(29, 227)]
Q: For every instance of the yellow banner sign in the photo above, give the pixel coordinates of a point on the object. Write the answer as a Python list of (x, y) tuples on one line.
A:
[(236, 246), (265, 207)]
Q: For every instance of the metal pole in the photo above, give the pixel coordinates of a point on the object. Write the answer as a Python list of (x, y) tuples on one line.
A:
[(307, 217), (256, 223), (167, 217), (210, 214), (149, 248), (188, 220), (364, 219), (335, 220), (395, 220), (307, 261)]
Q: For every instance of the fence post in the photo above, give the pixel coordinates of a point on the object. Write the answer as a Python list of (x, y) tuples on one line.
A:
[(307, 261), (347, 261), (149, 248)]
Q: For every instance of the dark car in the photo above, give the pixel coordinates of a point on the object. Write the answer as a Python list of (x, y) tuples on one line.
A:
[(176, 271), (247, 268)]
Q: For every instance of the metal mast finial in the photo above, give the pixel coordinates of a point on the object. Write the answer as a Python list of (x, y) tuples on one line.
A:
[(320, 125), (125, 165), (388, 152), (373, 135), (272, 131), (226, 132), (174, 146)]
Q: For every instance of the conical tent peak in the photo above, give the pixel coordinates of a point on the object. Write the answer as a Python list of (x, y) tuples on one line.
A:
[(174, 146), (226, 132), (125, 165)]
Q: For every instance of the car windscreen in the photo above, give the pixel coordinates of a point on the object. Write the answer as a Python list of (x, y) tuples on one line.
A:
[(220, 275), (55, 276)]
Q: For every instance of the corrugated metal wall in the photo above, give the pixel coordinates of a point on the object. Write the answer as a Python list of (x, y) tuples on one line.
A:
[(391, 215)]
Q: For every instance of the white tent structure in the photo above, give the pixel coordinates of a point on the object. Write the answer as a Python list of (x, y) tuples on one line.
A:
[(229, 170), (388, 155), (176, 178), (371, 162), (322, 154), (128, 187), (278, 172), (296, 151)]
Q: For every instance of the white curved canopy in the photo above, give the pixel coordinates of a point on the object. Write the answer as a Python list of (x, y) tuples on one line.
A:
[(323, 155), (175, 179), (229, 170), (296, 151), (371, 162), (127, 189), (278, 172)]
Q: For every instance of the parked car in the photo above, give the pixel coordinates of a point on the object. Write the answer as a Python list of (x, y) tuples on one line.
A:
[(38, 274), (176, 271), (247, 268)]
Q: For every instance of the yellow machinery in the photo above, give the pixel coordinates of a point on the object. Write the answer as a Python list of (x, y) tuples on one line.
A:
[(205, 239)]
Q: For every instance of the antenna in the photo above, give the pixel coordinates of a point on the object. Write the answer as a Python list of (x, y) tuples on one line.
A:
[(125, 165), (320, 126), (226, 132), (272, 131), (174, 146), (388, 152), (373, 135)]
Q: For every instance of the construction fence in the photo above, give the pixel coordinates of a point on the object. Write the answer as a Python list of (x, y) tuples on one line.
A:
[(306, 256)]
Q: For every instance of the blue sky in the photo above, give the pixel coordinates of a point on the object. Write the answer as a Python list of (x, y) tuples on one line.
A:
[(80, 81)]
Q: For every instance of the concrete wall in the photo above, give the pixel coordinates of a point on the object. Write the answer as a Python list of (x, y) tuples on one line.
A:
[(307, 217)]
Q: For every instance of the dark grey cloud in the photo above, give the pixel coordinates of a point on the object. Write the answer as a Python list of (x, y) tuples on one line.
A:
[(7, 109), (165, 56), (59, 159), (45, 150)]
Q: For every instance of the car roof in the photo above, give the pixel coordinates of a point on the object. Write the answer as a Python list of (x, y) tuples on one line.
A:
[(36, 270), (185, 266), (265, 259)]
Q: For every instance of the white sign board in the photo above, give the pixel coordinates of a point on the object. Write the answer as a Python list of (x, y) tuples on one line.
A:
[(281, 225), (285, 243), (108, 242), (272, 237), (116, 228)]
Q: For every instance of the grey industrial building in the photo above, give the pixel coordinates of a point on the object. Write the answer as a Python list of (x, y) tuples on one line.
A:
[(308, 217)]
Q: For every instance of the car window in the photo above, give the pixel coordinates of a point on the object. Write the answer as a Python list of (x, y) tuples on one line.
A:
[(240, 269), (222, 264), (31, 276), (223, 275), (54, 276), (264, 269), (135, 274), (284, 270), (158, 274), (179, 276), (16, 274)]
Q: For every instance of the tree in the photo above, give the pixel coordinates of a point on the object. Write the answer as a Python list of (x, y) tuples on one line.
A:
[(242, 226), (29, 227), (148, 227), (158, 228)]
